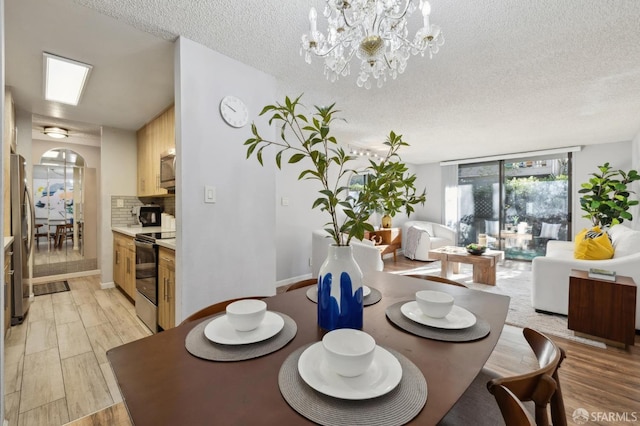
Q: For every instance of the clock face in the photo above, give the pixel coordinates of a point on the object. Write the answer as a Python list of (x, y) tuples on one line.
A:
[(234, 111)]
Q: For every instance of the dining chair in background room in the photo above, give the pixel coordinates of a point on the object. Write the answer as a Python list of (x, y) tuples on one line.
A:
[(437, 279), (541, 386), (214, 309), (303, 283)]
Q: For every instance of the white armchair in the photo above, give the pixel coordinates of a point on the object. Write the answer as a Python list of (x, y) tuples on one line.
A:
[(418, 237), (365, 253)]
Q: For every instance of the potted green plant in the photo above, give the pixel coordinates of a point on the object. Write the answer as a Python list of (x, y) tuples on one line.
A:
[(308, 137), (605, 197)]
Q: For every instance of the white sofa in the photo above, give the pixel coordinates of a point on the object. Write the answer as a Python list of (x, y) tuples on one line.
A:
[(550, 286), (425, 236), (365, 253)]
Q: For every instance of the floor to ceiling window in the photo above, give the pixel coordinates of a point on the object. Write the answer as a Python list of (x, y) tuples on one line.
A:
[(515, 205)]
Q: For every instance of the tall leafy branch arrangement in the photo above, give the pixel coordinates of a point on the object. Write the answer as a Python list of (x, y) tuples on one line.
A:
[(308, 137), (606, 196)]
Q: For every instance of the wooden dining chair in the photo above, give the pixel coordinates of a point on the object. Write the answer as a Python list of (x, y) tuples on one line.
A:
[(303, 283), (542, 386), (213, 309), (437, 279), (513, 411)]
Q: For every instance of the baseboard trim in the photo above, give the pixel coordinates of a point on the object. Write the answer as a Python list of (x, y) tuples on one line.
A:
[(50, 278), (293, 280), (105, 286)]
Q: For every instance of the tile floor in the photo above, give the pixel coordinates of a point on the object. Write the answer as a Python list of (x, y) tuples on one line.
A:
[(56, 368)]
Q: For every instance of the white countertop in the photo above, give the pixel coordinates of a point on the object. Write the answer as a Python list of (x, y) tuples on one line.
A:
[(8, 241), (169, 243)]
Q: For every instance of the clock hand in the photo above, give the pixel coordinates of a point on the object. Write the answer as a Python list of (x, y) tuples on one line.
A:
[(231, 108)]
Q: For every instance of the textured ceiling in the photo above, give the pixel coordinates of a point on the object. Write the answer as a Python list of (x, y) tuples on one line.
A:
[(513, 75)]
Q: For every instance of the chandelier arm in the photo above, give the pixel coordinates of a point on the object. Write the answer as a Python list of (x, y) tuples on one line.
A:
[(404, 12), (322, 55), (346, 21)]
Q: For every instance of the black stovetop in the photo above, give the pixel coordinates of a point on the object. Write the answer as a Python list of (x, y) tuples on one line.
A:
[(153, 236)]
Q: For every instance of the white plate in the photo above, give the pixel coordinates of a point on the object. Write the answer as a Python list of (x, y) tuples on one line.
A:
[(381, 377), (458, 318), (220, 330)]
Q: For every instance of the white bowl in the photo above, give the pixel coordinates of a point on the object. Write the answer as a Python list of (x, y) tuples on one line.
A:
[(435, 304), (246, 315), (348, 352)]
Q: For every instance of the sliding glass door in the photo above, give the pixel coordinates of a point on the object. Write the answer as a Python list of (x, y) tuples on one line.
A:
[(515, 205)]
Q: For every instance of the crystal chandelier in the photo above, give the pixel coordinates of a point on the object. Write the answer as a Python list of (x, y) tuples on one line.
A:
[(373, 30)]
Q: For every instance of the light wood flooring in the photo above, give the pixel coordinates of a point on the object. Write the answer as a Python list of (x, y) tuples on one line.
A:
[(56, 370)]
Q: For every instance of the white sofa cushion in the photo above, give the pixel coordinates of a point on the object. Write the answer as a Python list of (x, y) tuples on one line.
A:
[(625, 241)]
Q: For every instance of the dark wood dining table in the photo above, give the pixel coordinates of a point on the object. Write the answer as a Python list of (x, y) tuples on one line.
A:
[(163, 384)]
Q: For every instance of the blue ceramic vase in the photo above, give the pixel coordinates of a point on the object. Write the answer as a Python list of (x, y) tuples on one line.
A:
[(340, 298)]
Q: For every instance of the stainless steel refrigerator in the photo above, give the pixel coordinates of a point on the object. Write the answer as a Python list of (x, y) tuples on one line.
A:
[(22, 227)]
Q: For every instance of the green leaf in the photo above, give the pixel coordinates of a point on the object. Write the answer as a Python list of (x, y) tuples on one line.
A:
[(296, 158)]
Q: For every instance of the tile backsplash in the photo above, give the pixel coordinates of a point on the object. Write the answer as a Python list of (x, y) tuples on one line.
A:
[(121, 216)]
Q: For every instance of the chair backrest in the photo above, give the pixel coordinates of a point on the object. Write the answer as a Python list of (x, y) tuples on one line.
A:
[(541, 386), (303, 283), (513, 412), (437, 279), (213, 309)]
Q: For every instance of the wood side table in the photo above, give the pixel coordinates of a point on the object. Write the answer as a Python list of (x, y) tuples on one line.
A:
[(601, 308), (388, 240), (484, 265)]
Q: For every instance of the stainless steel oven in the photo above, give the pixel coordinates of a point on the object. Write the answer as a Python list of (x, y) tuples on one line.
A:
[(147, 277)]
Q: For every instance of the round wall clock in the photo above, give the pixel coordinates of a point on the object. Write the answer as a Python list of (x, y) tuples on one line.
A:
[(233, 111)]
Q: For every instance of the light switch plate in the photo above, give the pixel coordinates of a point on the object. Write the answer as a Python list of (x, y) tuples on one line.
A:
[(209, 194), (119, 202)]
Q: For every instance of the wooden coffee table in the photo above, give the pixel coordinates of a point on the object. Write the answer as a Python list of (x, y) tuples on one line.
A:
[(484, 265)]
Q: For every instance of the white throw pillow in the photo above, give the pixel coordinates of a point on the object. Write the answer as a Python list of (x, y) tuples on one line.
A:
[(625, 243), (550, 230)]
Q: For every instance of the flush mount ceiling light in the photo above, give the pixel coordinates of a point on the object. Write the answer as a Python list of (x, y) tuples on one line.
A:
[(64, 79), (376, 32), (56, 132)]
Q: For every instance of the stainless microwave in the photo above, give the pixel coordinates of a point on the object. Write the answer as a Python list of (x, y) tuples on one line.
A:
[(168, 169)]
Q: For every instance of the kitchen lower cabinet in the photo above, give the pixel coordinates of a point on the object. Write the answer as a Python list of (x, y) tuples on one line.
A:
[(166, 288), (124, 263)]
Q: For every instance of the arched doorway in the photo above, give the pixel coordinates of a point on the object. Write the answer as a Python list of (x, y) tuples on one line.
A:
[(64, 197)]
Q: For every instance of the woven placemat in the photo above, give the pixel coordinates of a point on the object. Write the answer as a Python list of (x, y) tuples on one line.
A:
[(198, 345), (370, 299), (394, 408), (479, 330)]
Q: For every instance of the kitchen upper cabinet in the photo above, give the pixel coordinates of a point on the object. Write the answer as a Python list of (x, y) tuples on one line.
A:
[(154, 138), (166, 288), (124, 263)]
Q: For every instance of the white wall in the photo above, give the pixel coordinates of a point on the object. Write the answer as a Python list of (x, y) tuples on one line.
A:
[(585, 162), (2, 209), (635, 164), (226, 249), (429, 176), (118, 176)]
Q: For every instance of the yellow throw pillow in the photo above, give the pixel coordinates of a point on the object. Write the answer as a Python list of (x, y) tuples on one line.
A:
[(593, 244)]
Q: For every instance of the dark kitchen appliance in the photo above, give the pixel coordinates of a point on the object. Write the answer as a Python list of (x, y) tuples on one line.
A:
[(22, 229), (168, 169), (147, 276), (148, 215)]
